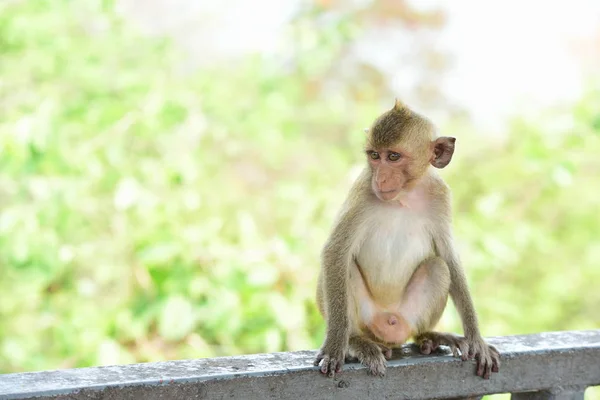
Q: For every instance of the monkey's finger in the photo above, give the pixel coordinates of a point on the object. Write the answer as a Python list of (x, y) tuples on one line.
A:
[(495, 363), (318, 359), (495, 352), (464, 350), (325, 365), (332, 367), (480, 364), (495, 356), (488, 368)]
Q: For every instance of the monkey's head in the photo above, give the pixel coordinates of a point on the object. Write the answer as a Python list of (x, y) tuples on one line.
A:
[(401, 145)]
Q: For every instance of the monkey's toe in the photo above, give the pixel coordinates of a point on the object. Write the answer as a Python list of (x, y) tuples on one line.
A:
[(370, 354), (376, 365), (426, 346), (387, 352)]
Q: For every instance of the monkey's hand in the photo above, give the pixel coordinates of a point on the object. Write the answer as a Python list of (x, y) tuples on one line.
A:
[(331, 356), (487, 357)]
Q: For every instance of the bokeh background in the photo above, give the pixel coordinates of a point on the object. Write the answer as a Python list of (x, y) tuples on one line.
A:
[(170, 169)]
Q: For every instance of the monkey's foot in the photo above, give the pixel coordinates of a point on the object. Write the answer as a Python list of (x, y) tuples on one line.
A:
[(487, 357), (370, 354), (350, 359), (430, 341), (386, 351)]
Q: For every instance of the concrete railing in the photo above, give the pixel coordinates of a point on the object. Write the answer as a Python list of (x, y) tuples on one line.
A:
[(556, 365)]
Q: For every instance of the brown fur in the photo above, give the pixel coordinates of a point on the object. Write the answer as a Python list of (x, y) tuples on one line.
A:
[(398, 209)]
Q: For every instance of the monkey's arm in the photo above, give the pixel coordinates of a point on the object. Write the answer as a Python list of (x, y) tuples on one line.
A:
[(487, 356), (459, 290), (335, 260)]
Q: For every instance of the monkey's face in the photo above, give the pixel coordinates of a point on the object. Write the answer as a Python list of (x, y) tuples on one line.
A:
[(401, 145), (391, 173), (396, 170)]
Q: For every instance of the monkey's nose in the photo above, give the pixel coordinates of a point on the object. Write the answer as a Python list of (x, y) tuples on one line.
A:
[(385, 186)]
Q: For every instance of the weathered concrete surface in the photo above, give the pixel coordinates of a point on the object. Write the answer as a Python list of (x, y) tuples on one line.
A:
[(532, 362)]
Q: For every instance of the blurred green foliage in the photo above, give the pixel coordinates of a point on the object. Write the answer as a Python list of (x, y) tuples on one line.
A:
[(151, 211)]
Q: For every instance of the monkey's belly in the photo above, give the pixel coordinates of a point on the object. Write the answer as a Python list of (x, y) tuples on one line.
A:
[(385, 323), (393, 249)]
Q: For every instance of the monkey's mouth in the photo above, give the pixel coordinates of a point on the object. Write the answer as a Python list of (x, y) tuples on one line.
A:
[(387, 194)]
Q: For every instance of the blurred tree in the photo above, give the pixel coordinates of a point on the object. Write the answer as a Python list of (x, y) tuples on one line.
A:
[(394, 29), (152, 211)]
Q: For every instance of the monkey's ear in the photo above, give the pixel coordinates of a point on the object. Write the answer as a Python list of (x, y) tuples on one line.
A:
[(366, 131), (443, 149)]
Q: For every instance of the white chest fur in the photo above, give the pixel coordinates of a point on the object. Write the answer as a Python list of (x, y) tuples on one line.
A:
[(396, 241)]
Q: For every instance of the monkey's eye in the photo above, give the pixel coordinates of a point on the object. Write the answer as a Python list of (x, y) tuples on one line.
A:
[(394, 156), (374, 155)]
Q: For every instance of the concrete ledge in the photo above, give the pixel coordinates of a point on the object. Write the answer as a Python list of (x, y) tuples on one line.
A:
[(545, 361)]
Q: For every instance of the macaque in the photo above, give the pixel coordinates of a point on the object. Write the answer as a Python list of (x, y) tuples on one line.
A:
[(390, 261)]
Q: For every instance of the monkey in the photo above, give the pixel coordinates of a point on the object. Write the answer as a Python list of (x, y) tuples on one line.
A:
[(390, 263)]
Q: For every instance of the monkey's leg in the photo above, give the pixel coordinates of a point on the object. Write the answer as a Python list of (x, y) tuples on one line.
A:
[(424, 301), (427, 340), (360, 346), (426, 294)]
